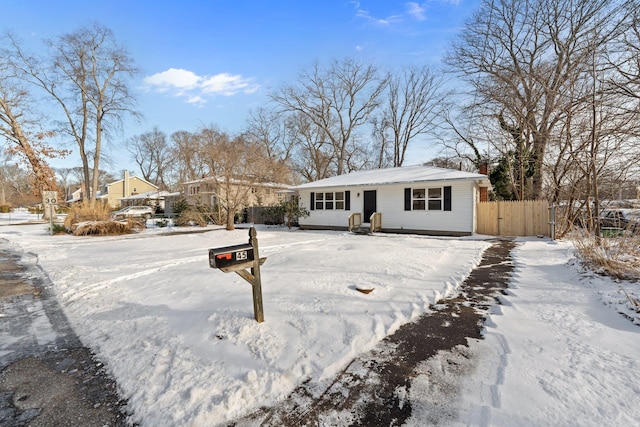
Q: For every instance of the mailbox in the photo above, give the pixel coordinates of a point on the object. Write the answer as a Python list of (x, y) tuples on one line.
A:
[(229, 256)]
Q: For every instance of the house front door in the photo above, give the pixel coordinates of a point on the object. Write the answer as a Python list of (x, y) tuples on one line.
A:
[(369, 204)]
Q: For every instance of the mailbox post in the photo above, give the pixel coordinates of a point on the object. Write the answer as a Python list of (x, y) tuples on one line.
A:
[(238, 258)]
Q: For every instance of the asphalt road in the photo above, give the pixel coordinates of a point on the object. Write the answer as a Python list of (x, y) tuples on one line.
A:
[(47, 377)]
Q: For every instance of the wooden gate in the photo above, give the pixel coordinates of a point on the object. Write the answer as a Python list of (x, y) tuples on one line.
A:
[(514, 218)]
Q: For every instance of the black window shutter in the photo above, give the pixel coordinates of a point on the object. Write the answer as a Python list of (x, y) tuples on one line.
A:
[(347, 200), (407, 199), (447, 198), (313, 201)]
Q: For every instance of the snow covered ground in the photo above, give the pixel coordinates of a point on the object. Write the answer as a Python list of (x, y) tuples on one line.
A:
[(181, 341)]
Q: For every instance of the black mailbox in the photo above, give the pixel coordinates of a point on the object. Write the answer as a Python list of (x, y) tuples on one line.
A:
[(230, 256)]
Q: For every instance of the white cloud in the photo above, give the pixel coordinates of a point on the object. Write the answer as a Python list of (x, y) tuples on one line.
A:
[(196, 89), (416, 11), (383, 22), (173, 78), (227, 84), (196, 100), (413, 10)]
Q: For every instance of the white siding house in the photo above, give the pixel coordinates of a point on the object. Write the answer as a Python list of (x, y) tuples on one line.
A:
[(414, 199)]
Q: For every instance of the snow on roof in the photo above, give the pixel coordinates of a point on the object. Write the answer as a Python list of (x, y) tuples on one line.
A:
[(400, 175), (240, 182), (149, 195)]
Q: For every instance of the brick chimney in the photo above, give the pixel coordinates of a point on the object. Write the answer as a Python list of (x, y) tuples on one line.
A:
[(483, 168)]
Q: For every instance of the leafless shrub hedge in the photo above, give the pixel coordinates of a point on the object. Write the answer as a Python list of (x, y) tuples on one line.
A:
[(618, 256), (191, 217), (101, 228), (84, 211), (84, 220)]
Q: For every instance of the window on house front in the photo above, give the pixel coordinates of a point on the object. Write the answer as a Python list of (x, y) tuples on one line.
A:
[(328, 201), (418, 199), (338, 200), (339, 196), (435, 199), (431, 199), (319, 201)]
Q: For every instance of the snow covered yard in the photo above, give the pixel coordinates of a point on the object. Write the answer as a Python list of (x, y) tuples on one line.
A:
[(180, 337), (181, 340)]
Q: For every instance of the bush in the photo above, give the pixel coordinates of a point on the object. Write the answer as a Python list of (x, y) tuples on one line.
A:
[(106, 228), (58, 229), (191, 217), (618, 257), (84, 219), (5, 208), (84, 211), (289, 209)]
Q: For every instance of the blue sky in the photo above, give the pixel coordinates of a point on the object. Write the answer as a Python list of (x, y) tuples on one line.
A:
[(211, 62)]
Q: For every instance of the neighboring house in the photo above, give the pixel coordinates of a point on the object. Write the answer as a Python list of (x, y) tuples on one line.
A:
[(77, 195), (160, 200), (212, 191), (126, 187), (414, 199)]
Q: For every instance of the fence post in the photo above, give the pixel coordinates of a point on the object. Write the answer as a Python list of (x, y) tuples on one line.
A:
[(552, 221)]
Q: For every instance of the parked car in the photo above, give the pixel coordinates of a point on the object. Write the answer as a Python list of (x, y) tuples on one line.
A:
[(628, 219), (145, 212)]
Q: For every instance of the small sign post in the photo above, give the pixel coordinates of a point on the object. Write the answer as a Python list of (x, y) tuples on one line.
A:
[(50, 198), (238, 258)]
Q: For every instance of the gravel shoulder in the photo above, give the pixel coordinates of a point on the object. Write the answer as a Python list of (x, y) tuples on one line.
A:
[(47, 377)]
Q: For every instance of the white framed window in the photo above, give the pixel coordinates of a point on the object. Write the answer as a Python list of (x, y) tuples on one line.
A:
[(330, 200), (418, 200), (428, 199), (339, 197), (435, 199)]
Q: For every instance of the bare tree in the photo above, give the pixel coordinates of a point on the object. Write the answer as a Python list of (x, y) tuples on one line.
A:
[(313, 156), (152, 154), (237, 164), (337, 100), (521, 58), (413, 106), (87, 78), (268, 129), (187, 164)]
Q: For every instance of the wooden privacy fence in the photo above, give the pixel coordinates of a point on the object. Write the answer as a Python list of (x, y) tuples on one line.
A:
[(514, 218)]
